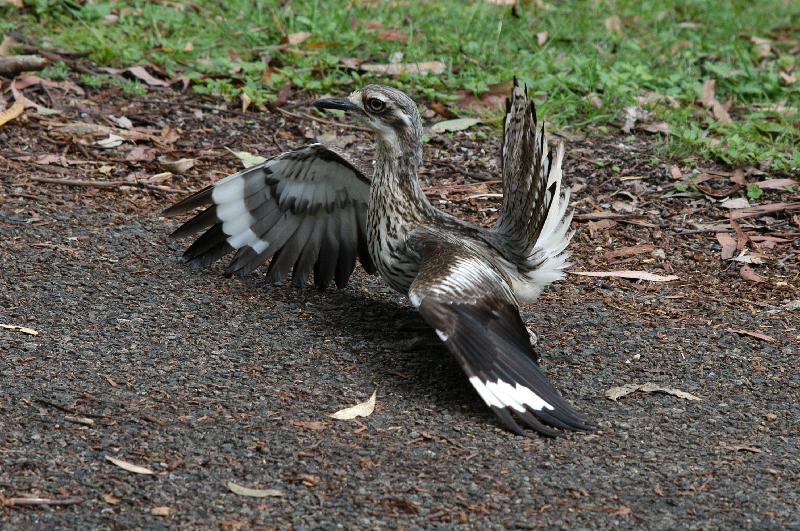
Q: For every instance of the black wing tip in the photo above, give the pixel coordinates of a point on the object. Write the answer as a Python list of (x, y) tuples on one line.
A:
[(542, 423), (201, 198)]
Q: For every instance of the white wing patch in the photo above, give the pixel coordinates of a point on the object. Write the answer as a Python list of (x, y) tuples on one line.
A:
[(232, 211), (501, 394)]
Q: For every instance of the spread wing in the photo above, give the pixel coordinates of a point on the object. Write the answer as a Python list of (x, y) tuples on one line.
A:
[(304, 210), (474, 312)]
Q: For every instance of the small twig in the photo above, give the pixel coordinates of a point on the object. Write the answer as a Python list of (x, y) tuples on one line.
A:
[(65, 409), (106, 184), (482, 196), (11, 502)]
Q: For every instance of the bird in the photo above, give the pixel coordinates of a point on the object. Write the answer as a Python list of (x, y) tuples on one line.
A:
[(312, 210)]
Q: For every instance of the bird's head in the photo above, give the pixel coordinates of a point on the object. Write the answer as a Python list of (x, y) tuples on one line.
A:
[(389, 112)]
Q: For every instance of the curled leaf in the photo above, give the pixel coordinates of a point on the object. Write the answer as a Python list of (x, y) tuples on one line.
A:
[(12, 112), (248, 159), (23, 329), (364, 409), (178, 166), (111, 141), (615, 393), (634, 275), (130, 467), (254, 493)]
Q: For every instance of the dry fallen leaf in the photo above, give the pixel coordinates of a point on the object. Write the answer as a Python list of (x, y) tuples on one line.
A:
[(110, 142), (130, 467), (656, 127), (394, 35), (246, 101), (613, 24), (364, 409), (751, 333), (111, 499), (747, 273), (297, 38), (12, 112), (254, 493), (178, 166), (23, 329), (615, 393), (776, 184), (159, 178), (449, 126), (248, 159), (139, 72), (728, 244), (763, 46), (122, 121), (141, 154), (735, 203), (634, 275), (541, 38), (161, 511), (709, 99)]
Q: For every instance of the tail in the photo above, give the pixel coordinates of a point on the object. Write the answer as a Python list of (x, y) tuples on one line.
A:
[(533, 220)]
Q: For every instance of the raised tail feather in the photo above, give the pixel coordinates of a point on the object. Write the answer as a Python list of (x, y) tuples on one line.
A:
[(533, 218)]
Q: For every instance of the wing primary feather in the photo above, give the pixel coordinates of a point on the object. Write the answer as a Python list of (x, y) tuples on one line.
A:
[(282, 262), (203, 220), (309, 254), (201, 198), (209, 247), (348, 243), (328, 255)]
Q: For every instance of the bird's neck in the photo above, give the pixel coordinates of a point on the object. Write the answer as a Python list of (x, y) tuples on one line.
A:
[(395, 179)]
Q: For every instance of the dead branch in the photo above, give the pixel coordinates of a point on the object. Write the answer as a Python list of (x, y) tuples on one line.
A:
[(14, 64), (106, 184)]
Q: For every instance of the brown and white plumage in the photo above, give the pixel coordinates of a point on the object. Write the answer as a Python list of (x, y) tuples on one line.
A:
[(312, 206), (305, 210)]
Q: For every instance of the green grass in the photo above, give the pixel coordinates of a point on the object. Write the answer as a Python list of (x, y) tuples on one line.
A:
[(664, 47)]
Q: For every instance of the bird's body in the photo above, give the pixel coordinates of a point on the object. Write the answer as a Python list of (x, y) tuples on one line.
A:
[(311, 208)]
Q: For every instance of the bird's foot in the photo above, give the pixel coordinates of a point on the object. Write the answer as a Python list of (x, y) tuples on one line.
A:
[(420, 341)]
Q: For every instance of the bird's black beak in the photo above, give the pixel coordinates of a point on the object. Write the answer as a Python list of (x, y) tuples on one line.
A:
[(343, 104)]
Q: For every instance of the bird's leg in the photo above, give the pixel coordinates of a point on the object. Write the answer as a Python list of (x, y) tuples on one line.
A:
[(422, 336), (533, 336), (534, 341)]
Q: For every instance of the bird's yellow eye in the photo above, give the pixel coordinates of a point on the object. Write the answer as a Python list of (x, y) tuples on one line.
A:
[(376, 105)]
